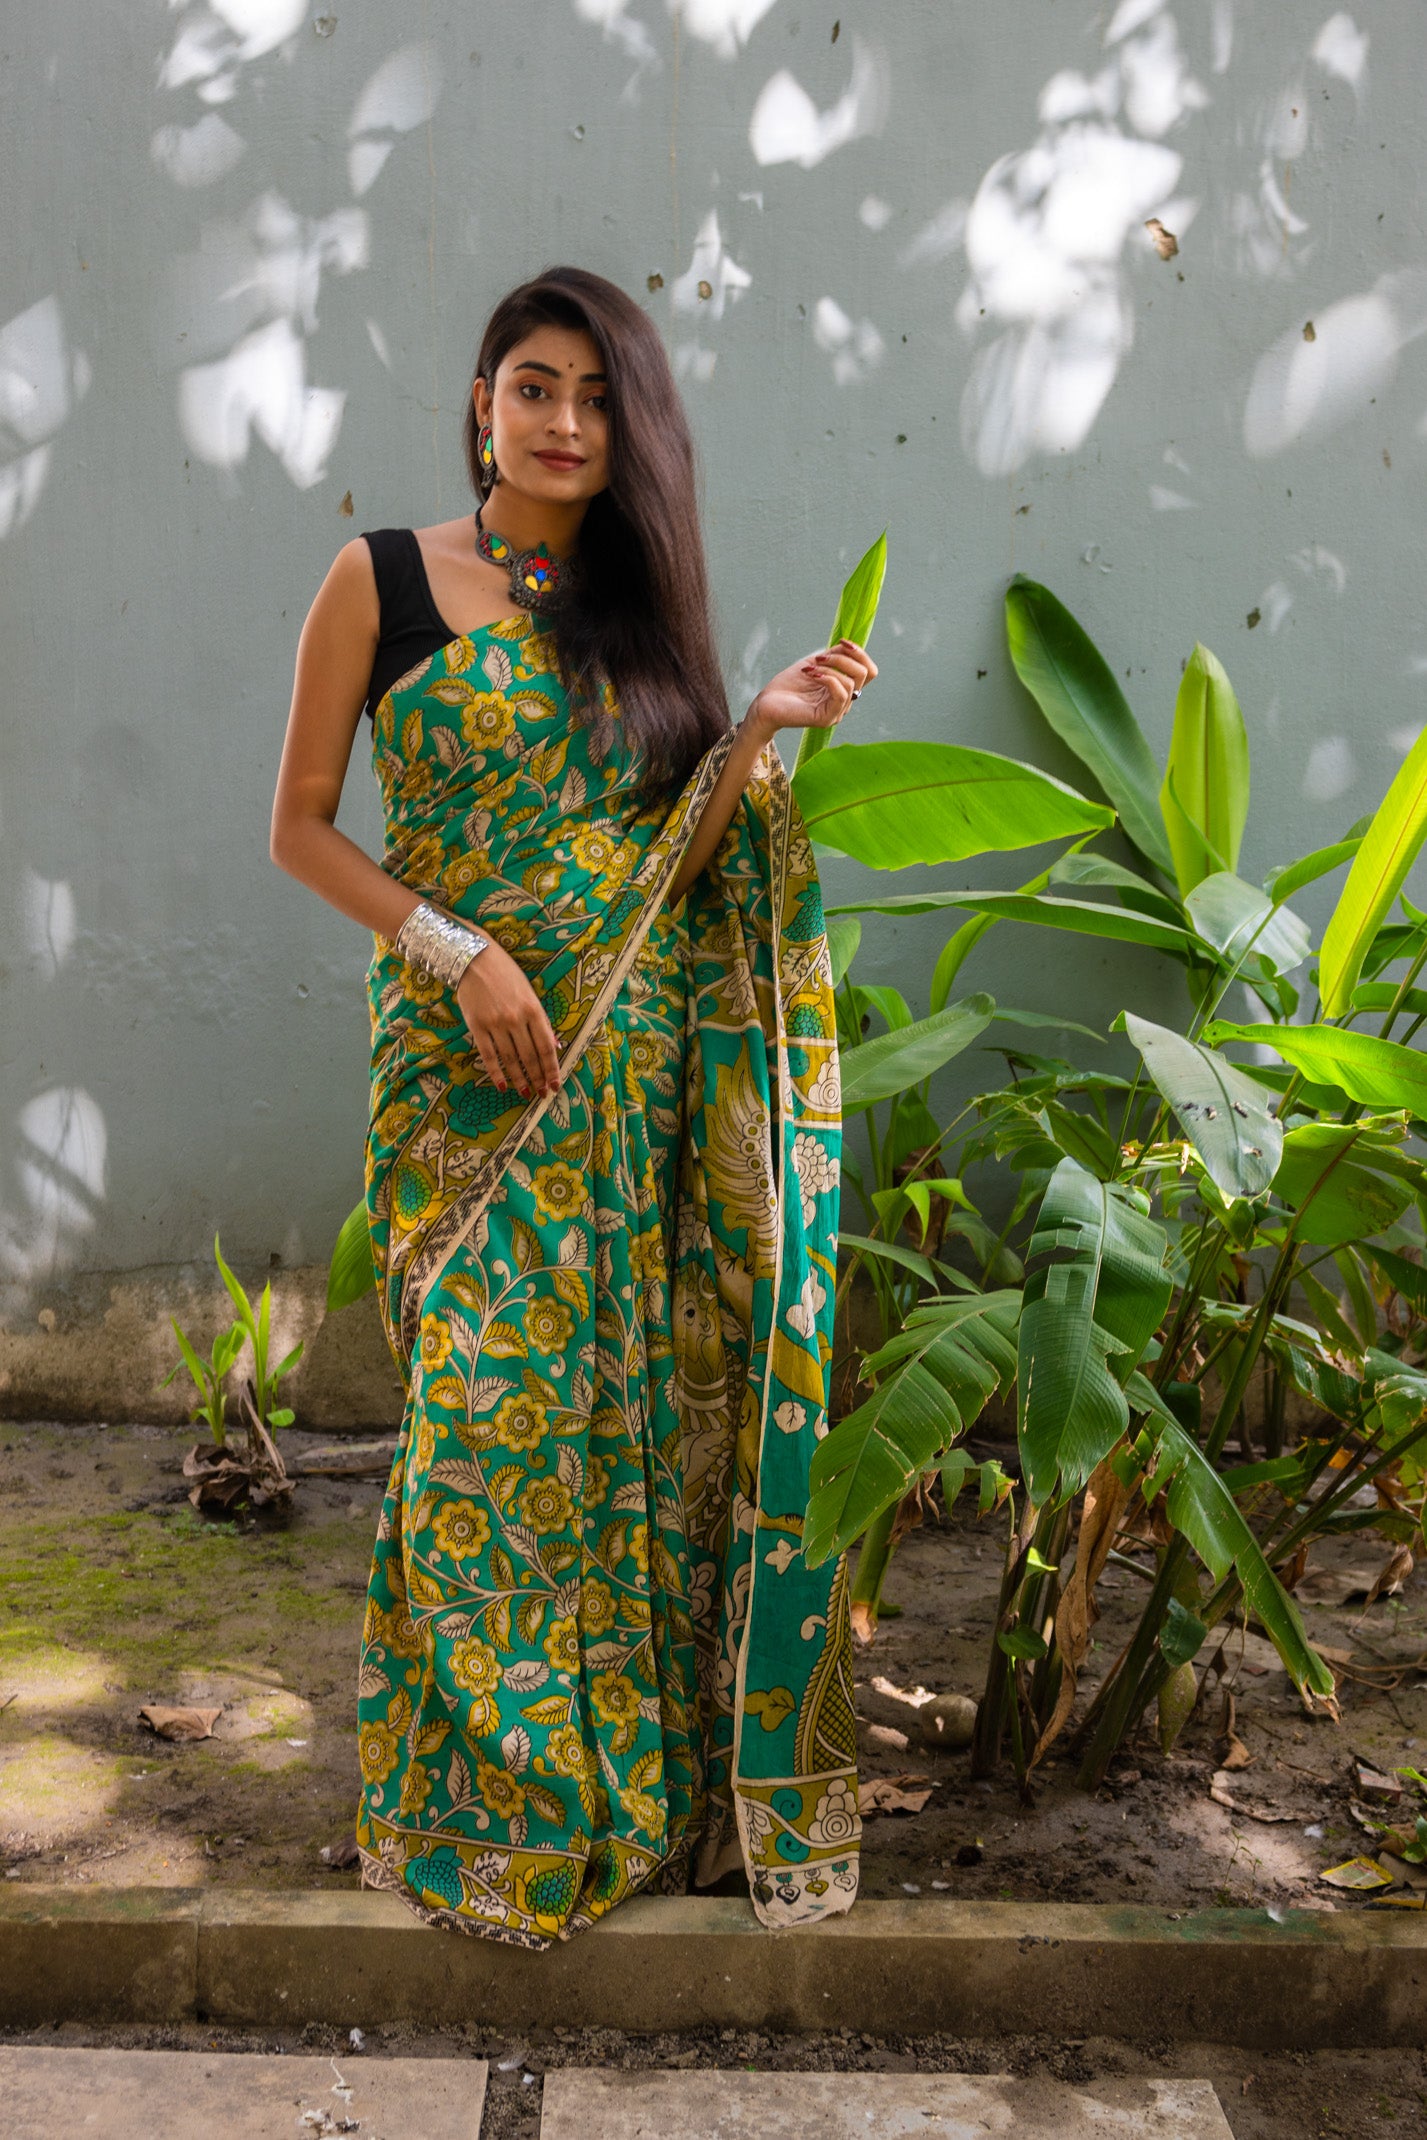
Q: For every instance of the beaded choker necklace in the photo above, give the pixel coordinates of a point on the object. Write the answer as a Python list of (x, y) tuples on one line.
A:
[(538, 579)]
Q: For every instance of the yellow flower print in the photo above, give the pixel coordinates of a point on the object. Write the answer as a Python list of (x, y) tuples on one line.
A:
[(376, 1750), (421, 987), (487, 721), (596, 1608), (549, 1325), (616, 1699), (638, 1547), (596, 1480), (423, 1448), (645, 1812), (520, 1422), (593, 848), (544, 881), (559, 1191), (436, 1342), (423, 863), (395, 1631), (562, 1647), (475, 1666), (417, 782), (394, 1121), (568, 1753), (465, 871), (499, 1791), (461, 1529), (545, 1505), (415, 1788)]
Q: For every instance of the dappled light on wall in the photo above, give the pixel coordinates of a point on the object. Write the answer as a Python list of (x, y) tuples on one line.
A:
[(400, 96), (787, 126), (59, 1164), (1307, 385), (41, 378), (1046, 234)]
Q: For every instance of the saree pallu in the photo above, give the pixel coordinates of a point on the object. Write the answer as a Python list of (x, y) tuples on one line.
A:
[(593, 1659)]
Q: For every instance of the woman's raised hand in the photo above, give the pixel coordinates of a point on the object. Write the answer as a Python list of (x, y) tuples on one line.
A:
[(507, 1023), (817, 692)]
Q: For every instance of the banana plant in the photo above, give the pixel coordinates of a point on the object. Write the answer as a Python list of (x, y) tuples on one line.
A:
[(1180, 1228)]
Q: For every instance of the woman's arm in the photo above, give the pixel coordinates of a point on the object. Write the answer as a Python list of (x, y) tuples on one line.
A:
[(815, 693), (506, 1019)]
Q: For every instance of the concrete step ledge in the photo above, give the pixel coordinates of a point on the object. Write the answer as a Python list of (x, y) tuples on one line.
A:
[(968, 1968)]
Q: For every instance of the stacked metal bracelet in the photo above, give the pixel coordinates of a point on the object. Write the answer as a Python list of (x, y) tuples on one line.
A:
[(433, 943)]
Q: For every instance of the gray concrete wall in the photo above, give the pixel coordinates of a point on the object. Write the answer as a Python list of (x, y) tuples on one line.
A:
[(252, 243)]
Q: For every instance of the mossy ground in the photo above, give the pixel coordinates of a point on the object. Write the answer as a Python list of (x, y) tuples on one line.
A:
[(114, 1593)]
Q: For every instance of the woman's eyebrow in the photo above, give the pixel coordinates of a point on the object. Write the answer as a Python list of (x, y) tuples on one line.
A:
[(529, 364)]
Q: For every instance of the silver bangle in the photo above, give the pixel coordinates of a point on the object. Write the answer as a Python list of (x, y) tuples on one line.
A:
[(433, 943)]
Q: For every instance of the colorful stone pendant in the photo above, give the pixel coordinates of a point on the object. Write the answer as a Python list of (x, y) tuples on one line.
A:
[(538, 579)]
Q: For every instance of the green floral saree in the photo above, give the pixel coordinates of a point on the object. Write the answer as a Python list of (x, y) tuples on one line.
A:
[(593, 1659)]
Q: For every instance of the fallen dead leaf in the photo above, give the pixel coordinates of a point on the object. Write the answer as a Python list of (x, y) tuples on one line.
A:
[(1237, 1754), (881, 1795), (180, 1723), (887, 1738), (1164, 241)]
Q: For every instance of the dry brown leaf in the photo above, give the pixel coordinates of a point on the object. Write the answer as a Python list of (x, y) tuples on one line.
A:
[(1391, 1576), (881, 1795), (1164, 241), (1372, 1783), (1100, 1511), (180, 1723), (864, 1621), (1237, 1754)]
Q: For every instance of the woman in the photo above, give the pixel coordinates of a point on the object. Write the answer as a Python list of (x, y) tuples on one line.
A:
[(602, 1169)]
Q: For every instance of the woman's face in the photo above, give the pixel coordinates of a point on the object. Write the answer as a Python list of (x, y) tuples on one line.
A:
[(550, 398)]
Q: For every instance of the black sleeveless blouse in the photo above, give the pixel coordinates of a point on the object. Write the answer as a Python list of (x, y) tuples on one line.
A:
[(411, 625)]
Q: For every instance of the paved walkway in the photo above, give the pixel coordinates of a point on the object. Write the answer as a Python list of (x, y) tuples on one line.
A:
[(176, 2095), (870, 2106), (172, 2095)]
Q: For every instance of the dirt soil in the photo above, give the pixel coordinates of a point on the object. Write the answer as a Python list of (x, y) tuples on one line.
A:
[(115, 1594), (1326, 2095)]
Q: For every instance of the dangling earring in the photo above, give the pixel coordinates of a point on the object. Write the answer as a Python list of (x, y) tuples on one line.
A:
[(485, 457)]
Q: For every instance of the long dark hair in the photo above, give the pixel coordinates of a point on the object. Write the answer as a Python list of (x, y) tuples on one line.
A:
[(641, 620)]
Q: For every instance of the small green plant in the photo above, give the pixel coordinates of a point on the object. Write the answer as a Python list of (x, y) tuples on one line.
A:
[(208, 1375), (255, 1326)]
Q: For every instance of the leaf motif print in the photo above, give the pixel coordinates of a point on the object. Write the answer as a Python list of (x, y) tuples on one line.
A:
[(504, 1342), (545, 763), (497, 664), (459, 655), (574, 790), (525, 1243), (458, 1782), (411, 730), (572, 1247), (371, 1681), (458, 1472), (553, 1709), (515, 1749), (526, 1674), (450, 691)]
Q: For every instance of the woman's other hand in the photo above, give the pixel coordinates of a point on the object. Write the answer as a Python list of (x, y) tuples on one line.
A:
[(507, 1023), (816, 692)]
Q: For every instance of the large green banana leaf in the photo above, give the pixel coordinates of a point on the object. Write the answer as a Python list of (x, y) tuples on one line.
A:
[(1200, 1505), (1205, 796), (1379, 1073), (1389, 848), (1099, 1297), (1223, 1113), (1072, 683), (893, 1061), (938, 1374), (351, 1272), (1241, 922), (1085, 917), (891, 805), (1333, 1178)]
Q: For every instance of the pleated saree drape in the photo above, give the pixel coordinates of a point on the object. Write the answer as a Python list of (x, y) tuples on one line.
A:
[(593, 1659)]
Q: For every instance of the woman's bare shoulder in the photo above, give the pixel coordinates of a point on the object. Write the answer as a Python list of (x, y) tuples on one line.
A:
[(348, 595)]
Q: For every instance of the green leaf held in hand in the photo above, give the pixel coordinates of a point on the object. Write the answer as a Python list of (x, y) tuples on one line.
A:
[(856, 609)]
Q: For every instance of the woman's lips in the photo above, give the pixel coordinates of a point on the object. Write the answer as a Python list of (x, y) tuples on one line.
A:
[(561, 460)]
